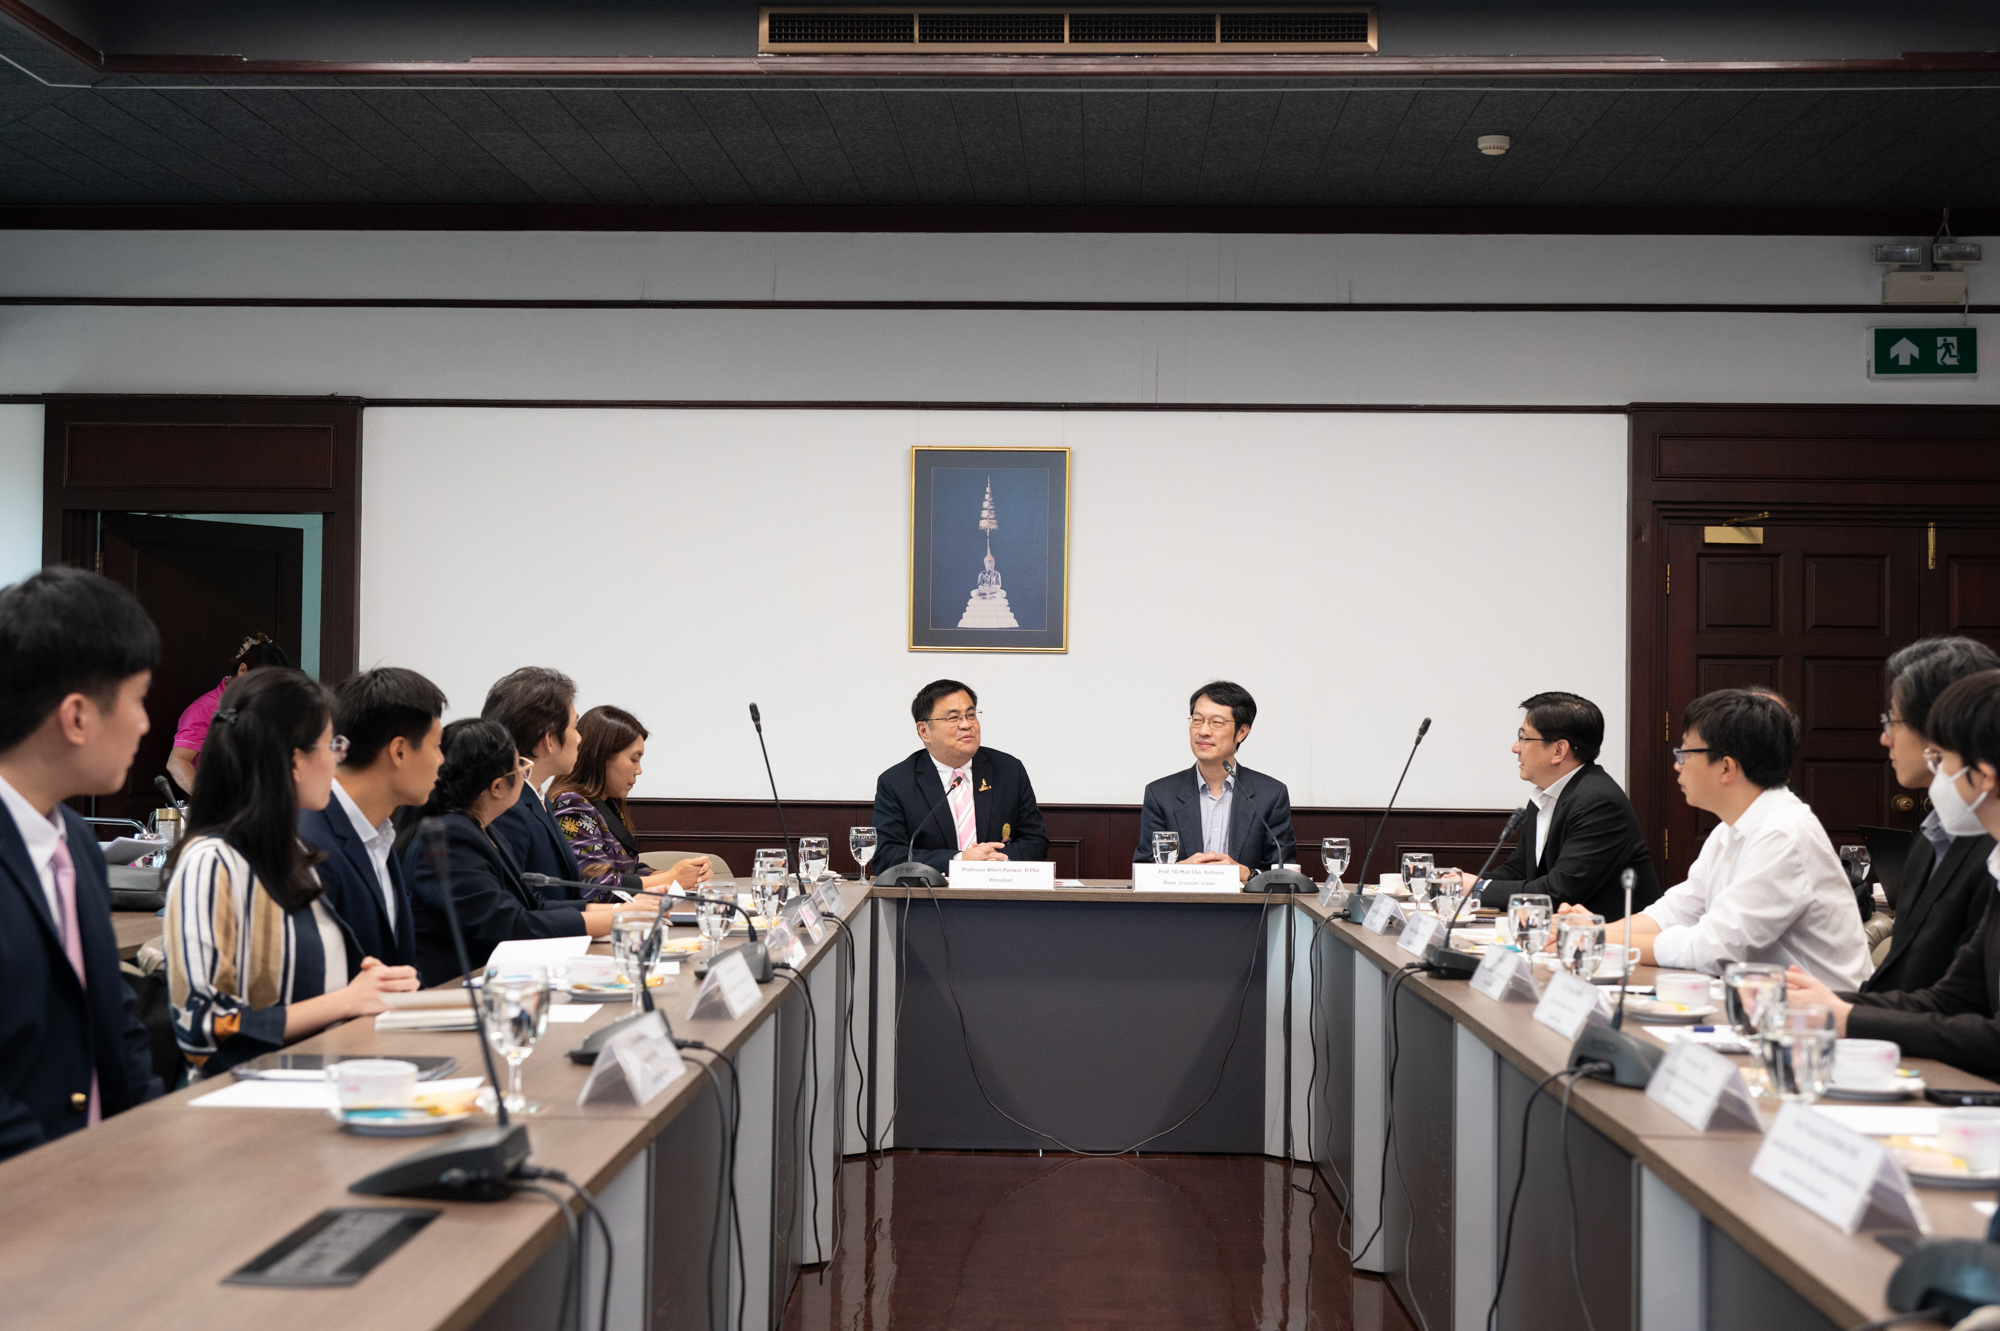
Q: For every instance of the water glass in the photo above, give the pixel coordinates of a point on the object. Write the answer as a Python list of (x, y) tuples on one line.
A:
[(635, 946), (711, 916), (1335, 854), (1530, 915), (1417, 868), (1797, 1050), (1166, 847), (1580, 944), (768, 877), (814, 854), (861, 842), (1751, 990), (515, 997), (1449, 894)]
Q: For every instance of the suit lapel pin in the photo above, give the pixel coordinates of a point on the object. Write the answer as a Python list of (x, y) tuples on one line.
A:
[(984, 785), (1006, 831)]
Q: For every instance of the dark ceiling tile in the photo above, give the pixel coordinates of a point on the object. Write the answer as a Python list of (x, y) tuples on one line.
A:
[(1114, 145), (989, 129), (147, 143), (1922, 142), (546, 118), (797, 119), (670, 117), (1361, 134), (1462, 176), (1177, 126), (1680, 135), (867, 134), (1052, 141), (743, 134), (1232, 155), (1764, 177), (482, 118), (1748, 128), (1436, 129), (93, 178), (1615, 130), (1301, 127), (319, 179), (927, 127), (23, 179)]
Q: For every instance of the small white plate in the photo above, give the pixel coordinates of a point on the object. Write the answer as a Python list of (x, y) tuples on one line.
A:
[(1933, 1169), (1901, 1088), (1652, 1009), (394, 1123)]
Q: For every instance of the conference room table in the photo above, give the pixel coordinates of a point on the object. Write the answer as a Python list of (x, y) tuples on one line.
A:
[(1095, 1018)]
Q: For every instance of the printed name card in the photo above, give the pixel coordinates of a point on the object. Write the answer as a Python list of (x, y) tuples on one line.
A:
[(826, 897), (1569, 1004), (640, 1060), (809, 916), (1384, 914), (1836, 1173), (1008, 874), (1326, 894), (1421, 931), (784, 943), (1503, 977), (1699, 1087), (1186, 878), (728, 990)]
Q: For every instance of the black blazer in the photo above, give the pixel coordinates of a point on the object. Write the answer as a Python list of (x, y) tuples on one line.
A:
[(1260, 818), (493, 903), (1937, 909), (1954, 1020), (1003, 809), (353, 890), (1593, 838), (531, 836), (54, 1033)]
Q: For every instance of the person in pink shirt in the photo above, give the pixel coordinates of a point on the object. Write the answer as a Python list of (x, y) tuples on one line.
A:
[(257, 650)]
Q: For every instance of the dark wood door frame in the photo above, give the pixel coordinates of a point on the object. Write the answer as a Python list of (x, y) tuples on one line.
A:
[(1805, 465), (213, 455)]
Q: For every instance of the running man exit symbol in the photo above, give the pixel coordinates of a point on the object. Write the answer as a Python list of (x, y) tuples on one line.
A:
[(1924, 351)]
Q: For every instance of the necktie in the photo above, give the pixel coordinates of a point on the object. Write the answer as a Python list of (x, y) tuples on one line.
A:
[(65, 876), (961, 810)]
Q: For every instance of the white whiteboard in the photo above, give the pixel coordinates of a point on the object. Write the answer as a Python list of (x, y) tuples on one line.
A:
[(1355, 571)]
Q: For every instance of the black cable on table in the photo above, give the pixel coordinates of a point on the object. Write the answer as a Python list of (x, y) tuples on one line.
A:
[(1520, 1176), (568, 1310), (583, 1195), (812, 1117), (965, 1035)]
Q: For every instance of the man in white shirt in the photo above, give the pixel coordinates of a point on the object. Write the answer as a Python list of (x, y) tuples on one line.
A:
[(1767, 885)]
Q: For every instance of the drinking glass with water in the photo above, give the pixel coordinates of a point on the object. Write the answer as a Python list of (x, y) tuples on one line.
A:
[(711, 916), (1166, 847), (1529, 914), (1418, 870), (1335, 853), (768, 878), (1797, 1050), (515, 997), (1580, 944), (861, 843), (814, 854), (635, 946)]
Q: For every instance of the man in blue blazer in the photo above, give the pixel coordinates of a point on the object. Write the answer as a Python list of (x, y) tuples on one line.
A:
[(76, 656), (1225, 813), (953, 798), (538, 708), (393, 720)]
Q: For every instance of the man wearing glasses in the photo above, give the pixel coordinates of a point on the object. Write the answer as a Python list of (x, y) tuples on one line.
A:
[(957, 799), (1225, 814), (1767, 885), (1581, 834), (1943, 891)]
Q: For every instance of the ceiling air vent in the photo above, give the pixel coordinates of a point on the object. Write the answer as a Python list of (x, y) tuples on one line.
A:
[(882, 30)]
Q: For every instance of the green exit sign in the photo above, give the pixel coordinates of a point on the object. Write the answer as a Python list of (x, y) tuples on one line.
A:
[(1901, 351)]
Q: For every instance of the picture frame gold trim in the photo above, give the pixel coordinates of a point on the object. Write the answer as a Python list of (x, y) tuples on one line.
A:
[(1059, 622)]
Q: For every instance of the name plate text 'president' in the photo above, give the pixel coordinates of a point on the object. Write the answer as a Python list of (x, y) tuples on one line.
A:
[(1186, 878), (1021, 875)]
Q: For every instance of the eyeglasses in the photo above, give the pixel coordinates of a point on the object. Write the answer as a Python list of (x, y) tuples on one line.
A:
[(337, 746), (523, 764), (1525, 738), (1890, 722), (1216, 723), (1681, 755), (953, 718)]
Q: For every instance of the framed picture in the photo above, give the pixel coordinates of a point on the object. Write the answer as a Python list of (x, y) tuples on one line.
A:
[(989, 549)]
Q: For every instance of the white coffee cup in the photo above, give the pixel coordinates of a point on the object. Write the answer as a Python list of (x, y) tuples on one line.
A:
[(1614, 958), (1681, 987), (373, 1083), (1973, 1135), (1865, 1064), (1390, 879)]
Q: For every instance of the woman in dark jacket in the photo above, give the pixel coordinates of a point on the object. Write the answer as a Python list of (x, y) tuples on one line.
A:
[(481, 778)]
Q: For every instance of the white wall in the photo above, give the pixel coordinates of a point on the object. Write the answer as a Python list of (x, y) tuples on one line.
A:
[(1355, 571)]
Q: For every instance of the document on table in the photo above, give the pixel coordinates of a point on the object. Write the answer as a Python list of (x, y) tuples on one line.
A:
[(540, 951), (262, 1094), (1884, 1120), (576, 1013)]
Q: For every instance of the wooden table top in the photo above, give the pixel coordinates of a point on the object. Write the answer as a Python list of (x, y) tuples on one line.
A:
[(134, 929)]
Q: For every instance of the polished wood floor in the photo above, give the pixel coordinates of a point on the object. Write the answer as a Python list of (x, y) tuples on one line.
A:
[(932, 1241)]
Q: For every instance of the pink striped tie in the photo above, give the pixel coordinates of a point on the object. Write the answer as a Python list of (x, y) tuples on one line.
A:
[(961, 810), (65, 876)]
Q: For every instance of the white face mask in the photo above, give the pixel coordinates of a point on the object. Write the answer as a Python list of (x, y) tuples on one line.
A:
[(1993, 865), (1954, 814)]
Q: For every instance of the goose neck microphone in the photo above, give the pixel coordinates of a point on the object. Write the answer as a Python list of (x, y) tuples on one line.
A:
[(1361, 879), (1441, 960), (1610, 1053), (914, 872), (791, 860)]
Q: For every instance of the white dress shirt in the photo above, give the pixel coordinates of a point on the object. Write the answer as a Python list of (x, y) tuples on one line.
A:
[(378, 841), (1768, 888), (41, 835), (1545, 808), (945, 774)]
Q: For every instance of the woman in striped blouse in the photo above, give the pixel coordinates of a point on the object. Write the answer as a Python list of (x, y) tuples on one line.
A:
[(255, 958)]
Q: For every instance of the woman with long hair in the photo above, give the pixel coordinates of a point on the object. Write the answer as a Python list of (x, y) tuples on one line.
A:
[(255, 958), (588, 805), (481, 779)]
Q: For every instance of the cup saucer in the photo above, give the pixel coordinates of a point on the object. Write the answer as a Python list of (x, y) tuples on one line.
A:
[(1895, 1088)]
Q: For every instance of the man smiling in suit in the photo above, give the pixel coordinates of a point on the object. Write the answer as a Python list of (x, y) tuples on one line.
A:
[(1225, 813), (988, 806)]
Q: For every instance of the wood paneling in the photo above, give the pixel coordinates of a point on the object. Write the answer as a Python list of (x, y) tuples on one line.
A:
[(1085, 840), (98, 454)]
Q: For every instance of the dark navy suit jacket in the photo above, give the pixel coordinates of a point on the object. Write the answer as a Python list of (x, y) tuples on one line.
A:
[(1940, 906), (52, 1032), (1260, 818), (493, 903), (353, 890), (1003, 809), (531, 836)]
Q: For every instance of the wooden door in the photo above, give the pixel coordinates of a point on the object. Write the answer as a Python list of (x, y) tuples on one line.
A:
[(1813, 612), (1962, 583), (208, 585)]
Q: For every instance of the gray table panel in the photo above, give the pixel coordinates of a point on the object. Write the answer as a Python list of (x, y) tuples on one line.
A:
[(1417, 1194), (1332, 1096), (1743, 1295)]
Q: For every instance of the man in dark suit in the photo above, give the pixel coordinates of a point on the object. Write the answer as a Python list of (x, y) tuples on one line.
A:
[(1581, 834), (1224, 813), (76, 656), (955, 798), (1954, 1019), (538, 708), (1945, 887), (393, 719)]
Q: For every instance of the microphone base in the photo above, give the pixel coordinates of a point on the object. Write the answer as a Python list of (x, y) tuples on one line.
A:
[(1280, 880), (755, 954), (1357, 906), (910, 873), (473, 1167), (1633, 1060), (1953, 1276), (587, 1050), (1447, 964)]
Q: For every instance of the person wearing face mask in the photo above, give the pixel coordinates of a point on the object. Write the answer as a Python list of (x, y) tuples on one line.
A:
[(954, 798), (1944, 888), (1225, 814), (1955, 1020)]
